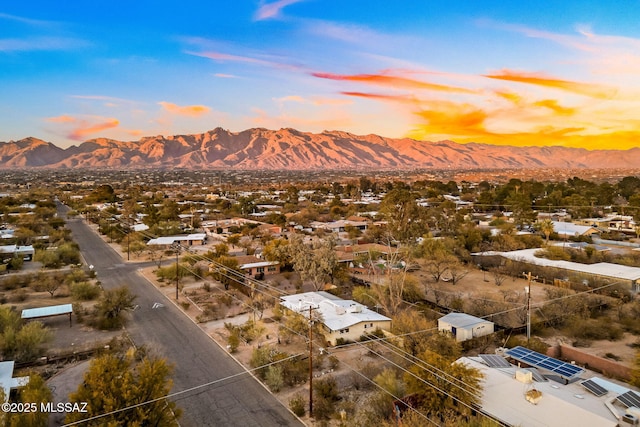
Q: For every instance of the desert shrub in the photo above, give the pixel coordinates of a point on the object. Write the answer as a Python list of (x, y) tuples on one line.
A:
[(325, 396), (84, 291), (233, 342), (595, 329), (274, 378), (554, 253), (298, 404), (20, 295)]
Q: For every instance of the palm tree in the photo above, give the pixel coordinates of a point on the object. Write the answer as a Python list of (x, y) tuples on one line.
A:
[(546, 226)]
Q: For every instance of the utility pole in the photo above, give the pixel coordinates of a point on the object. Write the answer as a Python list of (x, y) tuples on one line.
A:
[(528, 289), (176, 247), (310, 364)]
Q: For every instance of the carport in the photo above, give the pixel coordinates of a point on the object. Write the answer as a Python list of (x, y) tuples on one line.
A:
[(54, 310)]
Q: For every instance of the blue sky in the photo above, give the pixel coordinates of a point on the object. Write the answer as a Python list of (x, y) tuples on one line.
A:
[(511, 73)]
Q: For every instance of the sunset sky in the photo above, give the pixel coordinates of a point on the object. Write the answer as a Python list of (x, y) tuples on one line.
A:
[(510, 73)]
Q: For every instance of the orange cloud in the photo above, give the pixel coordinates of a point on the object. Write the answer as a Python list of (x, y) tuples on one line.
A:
[(79, 129), (84, 130), (555, 107), (444, 117), (187, 110), (592, 90), (391, 81), (61, 119)]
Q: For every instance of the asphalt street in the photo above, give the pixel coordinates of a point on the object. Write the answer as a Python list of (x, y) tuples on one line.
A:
[(232, 397)]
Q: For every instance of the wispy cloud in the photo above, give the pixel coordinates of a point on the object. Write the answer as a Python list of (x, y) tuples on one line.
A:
[(225, 76), (392, 82), (79, 128), (592, 90), (27, 21), (186, 110), (271, 10), (40, 43)]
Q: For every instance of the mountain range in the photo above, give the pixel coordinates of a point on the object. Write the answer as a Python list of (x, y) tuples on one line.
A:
[(289, 149)]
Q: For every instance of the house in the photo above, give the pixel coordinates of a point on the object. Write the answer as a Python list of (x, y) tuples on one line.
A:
[(530, 395), (464, 326), (9, 251), (8, 381), (601, 270), (196, 239), (343, 320), (257, 268), (569, 229)]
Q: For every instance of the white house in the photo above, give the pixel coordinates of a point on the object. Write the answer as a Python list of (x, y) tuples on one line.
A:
[(344, 319), (464, 326), (530, 398)]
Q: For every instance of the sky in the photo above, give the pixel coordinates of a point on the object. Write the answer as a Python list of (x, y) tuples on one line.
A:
[(530, 73)]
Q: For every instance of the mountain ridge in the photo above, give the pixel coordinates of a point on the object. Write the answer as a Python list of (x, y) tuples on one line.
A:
[(287, 148)]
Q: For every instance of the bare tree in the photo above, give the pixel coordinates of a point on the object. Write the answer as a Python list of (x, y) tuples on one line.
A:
[(457, 273), (499, 275)]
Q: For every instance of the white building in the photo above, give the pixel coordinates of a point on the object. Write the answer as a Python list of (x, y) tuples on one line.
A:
[(464, 326), (344, 319), (531, 398)]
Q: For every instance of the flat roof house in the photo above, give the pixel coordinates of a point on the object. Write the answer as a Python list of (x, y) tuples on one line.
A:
[(344, 319)]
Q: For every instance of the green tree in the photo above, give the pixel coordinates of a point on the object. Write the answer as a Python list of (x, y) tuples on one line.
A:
[(402, 214), (112, 306), (21, 341), (36, 391), (315, 263), (115, 383), (442, 387), (546, 226), (226, 270), (277, 250)]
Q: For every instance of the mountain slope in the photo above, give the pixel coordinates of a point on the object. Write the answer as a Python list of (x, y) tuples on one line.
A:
[(294, 150)]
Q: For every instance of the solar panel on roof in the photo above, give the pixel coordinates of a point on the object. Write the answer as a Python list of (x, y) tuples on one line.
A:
[(539, 360), (495, 361), (594, 388), (629, 399)]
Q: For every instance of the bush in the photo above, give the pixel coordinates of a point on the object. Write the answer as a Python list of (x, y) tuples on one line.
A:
[(84, 291), (274, 379), (595, 329), (233, 341), (20, 295), (298, 404)]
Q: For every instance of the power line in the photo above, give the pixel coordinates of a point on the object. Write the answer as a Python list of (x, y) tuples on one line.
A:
[(178, 393)]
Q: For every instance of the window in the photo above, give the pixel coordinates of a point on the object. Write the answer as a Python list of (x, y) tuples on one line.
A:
[(260, 269)]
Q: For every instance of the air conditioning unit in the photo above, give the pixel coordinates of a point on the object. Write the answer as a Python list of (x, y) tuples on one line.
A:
[(629, 419)]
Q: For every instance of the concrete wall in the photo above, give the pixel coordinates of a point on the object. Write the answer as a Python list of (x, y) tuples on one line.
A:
[(609, 368)]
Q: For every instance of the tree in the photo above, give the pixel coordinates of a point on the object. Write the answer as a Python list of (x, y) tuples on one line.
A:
[(441, 387), (21, 341), (112, 306), (36, 391), (226, 270), (277, 250), (315, 263), (402, 213), (546, 226), (114, 383)]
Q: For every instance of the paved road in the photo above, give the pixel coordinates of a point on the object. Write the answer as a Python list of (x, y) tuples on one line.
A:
[(239, 401)]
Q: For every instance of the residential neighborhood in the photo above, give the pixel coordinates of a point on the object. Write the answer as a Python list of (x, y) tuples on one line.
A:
[(398, 273)]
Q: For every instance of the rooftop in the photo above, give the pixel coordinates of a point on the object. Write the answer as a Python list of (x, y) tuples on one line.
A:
[(336, 313)]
